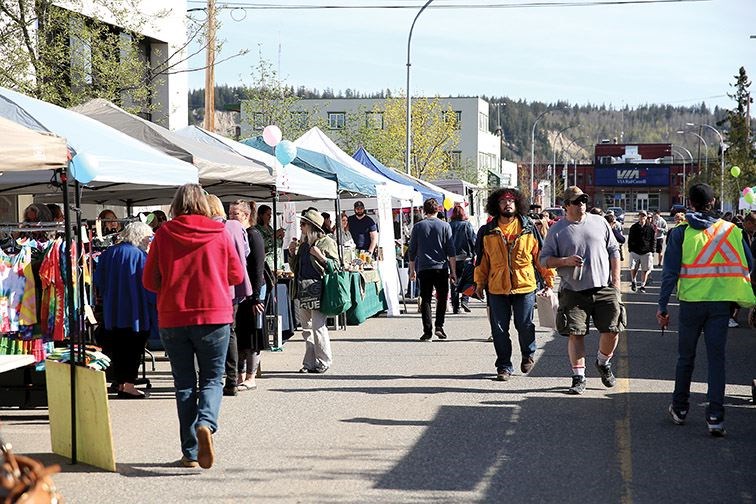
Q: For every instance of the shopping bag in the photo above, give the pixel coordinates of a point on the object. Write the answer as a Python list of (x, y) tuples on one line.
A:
[(466, 281), (547, 303), (335, 297)]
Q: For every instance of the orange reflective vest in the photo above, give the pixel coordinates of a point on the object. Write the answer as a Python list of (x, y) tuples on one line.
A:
[(713, 266)]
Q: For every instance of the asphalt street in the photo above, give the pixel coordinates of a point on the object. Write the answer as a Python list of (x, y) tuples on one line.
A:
[(398, 420)]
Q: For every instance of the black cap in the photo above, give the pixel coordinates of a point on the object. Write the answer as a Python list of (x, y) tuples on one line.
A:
[(700, 194), (359, 204)]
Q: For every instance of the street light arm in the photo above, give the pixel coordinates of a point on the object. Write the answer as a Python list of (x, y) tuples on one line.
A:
[(409, 97)]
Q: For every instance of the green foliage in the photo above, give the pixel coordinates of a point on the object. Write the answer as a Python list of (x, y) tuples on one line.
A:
[(738, 137), (65, 58)]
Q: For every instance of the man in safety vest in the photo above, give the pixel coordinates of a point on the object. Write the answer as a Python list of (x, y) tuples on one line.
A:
[(707, 259)]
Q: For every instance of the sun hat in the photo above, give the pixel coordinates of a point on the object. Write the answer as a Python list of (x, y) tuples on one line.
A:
[(313, 217)]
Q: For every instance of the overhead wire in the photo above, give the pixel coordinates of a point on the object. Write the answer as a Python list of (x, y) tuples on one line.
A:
[(519, 5)]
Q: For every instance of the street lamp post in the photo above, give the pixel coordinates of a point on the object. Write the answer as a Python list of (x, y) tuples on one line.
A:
[(553, 164), (722, 148), (409, 97), (532, 152), (706, 148), (684, 185)]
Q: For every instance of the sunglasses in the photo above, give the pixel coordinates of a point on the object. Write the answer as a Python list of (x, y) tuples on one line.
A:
[(578, 201)]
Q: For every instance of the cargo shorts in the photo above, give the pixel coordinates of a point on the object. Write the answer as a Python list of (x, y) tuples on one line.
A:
[(602, 304)]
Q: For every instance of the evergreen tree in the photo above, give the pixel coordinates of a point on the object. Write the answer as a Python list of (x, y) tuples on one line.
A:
[(740, 151)]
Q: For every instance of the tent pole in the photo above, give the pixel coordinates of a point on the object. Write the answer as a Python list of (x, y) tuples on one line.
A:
[(275, 263), (70, 310), (339, 234)]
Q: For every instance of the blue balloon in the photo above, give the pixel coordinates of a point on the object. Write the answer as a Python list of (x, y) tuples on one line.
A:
[(286, 151), (84, 167)]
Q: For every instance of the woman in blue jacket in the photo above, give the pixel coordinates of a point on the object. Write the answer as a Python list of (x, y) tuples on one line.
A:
[(126, 311)]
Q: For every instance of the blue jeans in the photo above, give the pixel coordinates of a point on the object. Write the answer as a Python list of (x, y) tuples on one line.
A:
[(501, 308), (710, 317), (196, 405)]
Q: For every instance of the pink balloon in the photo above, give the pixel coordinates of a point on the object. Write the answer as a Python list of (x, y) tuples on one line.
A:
[(747, 190), (272, 135)]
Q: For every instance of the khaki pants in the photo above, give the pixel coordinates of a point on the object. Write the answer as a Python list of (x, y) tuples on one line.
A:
[(317, 342)]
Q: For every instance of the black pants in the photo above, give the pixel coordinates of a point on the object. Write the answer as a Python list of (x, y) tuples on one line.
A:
[(430, 280), (127, 350), (454, 294), (232, 355)]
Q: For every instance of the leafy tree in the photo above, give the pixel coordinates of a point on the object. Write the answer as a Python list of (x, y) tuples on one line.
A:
[(66, 58), (738, 136), (434, 135), (268, 100)]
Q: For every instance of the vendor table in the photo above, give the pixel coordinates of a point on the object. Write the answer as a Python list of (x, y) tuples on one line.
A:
[(368, 298), (21, 385)]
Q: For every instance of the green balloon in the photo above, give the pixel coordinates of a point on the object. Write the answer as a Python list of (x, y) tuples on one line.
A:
[(735, 171), (750, 198)]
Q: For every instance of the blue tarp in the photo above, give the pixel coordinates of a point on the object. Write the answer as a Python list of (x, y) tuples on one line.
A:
[(367, 160), (322, 165)]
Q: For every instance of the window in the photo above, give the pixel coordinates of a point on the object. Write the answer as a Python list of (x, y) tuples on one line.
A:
[(299, 119), (455, 159), (336, 120), (374, 120), (457, 118), (482, 121), (259, 121)]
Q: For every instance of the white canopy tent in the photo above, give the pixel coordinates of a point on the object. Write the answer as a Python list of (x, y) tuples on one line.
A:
[(23, 149), (289, 179), (387, 190), (112, 158)]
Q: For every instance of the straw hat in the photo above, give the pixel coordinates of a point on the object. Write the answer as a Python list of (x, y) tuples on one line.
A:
[(313, 217)]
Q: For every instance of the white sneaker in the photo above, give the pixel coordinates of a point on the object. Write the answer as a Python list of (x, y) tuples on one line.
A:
[(732, 323)]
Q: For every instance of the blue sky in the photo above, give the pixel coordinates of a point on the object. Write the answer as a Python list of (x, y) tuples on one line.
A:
[(678, 53)]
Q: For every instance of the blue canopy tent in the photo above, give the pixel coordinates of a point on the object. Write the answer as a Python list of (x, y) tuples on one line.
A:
[(320, 164), (367, 160)]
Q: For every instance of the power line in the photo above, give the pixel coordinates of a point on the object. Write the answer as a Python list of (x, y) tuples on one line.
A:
[(522, 5)]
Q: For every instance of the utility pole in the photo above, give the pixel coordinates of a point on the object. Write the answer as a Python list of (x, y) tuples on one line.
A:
[(210, 68)]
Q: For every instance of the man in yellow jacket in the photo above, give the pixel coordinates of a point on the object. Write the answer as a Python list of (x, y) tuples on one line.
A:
[(710, 263), (506, 266)]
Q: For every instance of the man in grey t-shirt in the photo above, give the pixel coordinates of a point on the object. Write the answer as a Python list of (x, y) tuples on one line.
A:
[(585, 253)]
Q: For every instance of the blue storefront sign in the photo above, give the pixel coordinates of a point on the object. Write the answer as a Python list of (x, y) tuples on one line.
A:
[(645, 175)]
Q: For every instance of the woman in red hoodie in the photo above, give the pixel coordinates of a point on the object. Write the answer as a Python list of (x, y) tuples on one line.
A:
[(191, 265)]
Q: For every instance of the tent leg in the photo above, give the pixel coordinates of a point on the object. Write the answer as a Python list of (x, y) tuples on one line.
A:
[(70, 309), (275, 265)]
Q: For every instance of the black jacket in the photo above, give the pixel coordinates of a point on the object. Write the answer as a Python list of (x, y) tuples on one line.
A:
[(641, 239)]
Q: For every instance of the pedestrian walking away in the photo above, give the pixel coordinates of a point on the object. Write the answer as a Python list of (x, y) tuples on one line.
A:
[(641, 243), (709, 260), (308, 265), (192, 264), (463, 236), (585, 253), (432, 259), (660, 231), (506, 271)]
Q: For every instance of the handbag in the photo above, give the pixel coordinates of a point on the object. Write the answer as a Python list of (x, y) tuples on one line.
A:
[(24, 480), (336, 296), (547, 309)]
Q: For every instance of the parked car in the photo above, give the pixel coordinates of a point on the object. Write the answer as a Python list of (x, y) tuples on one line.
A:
[(676, 209), (556, 213), (618, 212)]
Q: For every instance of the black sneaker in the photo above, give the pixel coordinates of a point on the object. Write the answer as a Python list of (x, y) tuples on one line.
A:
[(440, 334), (465, 307), (426, 337), (716, 426), (229, 391), (642, 288), (607, 377), (633, 287), (677, 415), (578, 385)]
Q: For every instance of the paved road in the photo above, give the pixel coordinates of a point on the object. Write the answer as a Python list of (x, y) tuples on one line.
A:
[(397, 420)]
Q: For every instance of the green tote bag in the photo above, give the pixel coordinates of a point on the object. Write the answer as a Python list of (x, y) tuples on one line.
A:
[(335, 298)]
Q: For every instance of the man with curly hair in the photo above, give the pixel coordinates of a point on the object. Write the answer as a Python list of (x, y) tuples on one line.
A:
[(506, 264)]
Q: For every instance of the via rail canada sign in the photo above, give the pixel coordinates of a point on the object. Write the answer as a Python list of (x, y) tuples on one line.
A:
[(632, 175)]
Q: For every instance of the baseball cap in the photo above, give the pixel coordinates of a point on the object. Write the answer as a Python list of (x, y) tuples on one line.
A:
[(359, 204), (642, 212), (572, 193)]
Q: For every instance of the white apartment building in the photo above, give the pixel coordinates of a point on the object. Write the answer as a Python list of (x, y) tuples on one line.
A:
[(478, 147), (165, 35)]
